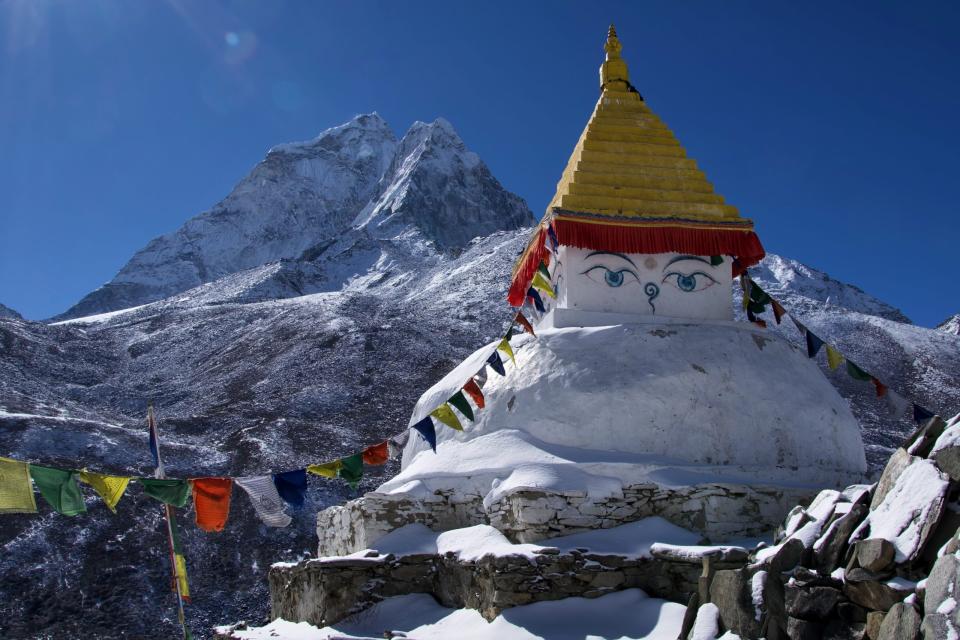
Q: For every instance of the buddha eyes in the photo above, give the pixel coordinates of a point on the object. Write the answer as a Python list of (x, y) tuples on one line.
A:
[(689, 282), (611, 277)]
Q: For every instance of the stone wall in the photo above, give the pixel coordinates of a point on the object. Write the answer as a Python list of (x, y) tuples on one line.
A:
[(718, 511), (325, 591)]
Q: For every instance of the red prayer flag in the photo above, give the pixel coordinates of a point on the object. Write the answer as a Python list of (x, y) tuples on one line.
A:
[(523, 322), (760, 323), (881, 388), (377, 454), (472, 389), (778, 311), (211, 500)]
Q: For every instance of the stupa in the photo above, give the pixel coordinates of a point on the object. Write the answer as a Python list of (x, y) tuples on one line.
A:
[(640, 395)]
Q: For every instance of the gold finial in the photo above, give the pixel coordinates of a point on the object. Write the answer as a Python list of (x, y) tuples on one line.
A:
[(613, 72)]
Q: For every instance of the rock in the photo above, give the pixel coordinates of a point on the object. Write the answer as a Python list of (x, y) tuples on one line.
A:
[(943, 536), (775, 621), (798, 629), (902, 622), (841, 630), (690, 615), (938, 626), (828, 550), (730, 591), (875, 554), (899, 461), (849, 612), (810, 603), (922, 440), (874, 620), (869, 590), (942, 583), (786, 555), (946, 452)]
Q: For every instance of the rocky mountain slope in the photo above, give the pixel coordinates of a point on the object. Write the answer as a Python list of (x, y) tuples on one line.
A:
[(7, 312), (304, 196), (295, 322), (951, 325)]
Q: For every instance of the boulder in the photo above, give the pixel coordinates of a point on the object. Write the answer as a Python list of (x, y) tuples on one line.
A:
[(731, 592), (899, 461), (946, 451), (902, 622), (850, 612), (942, 583), (875, 554), (841, 630), (872, 591), (810, 602), (938, 626), (922, 440), (798, 629), (874, 621), (829, 548)]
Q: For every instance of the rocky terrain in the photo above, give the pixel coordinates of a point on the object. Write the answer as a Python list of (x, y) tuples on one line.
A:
[(295, 322)]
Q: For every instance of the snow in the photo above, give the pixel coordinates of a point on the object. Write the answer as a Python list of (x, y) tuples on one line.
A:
[(904, 510), (950, 436), (706, 626), (693, 552), (623, 615), (99, 317), (756, 592), (597, 395), (632, 540)]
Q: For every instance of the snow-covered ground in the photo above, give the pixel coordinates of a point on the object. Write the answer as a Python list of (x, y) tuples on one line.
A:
[(624, 615)]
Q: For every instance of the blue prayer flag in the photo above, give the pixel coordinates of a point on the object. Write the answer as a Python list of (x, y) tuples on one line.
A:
[(292, 486), (537, 300), (813, 344), (427, 431), (496, 363), (921, 414)]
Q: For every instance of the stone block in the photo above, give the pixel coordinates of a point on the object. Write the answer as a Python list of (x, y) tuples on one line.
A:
[(875, 554), (942, 583), (730, 590), (871, 591), (902, 622), (828, 551), (874, 621), (899, 461), (810, 602)]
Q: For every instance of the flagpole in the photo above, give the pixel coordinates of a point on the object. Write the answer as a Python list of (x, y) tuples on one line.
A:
[(160, 473)]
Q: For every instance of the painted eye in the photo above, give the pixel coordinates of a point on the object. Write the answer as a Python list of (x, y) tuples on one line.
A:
[(611, 278), (689, 282)]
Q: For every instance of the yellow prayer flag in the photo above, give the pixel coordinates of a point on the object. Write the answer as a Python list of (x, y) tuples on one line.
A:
[(834, 358), (16, 492), (181, 570), (110, 488), (541, 283), (445, 414), (507, 349), (326, 470)]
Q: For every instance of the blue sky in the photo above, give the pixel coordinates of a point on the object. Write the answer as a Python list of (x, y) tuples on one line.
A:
[(833, 125)]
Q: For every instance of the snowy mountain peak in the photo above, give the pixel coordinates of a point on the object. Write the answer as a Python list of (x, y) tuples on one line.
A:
[(304, 196), (7, 312), (951, 325)]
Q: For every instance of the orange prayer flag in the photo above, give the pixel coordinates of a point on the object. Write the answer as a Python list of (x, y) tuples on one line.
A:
[(523, 322), (472, 389), (880, 387), (377, 454), (211, 500)]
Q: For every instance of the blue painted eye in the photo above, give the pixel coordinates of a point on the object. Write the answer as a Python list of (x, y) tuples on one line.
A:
[(611, 277), (690, 282)]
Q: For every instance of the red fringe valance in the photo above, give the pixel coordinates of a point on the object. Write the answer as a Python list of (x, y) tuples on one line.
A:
[(742, 244)]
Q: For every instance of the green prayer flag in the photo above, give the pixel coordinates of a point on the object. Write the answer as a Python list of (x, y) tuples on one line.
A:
[(59, 488), (857, 373), (716, 260), (543, 269), (460, 402), (351, 469), (174, 532), (167, 490)]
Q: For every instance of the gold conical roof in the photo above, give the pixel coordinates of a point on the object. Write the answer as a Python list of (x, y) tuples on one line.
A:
[(628, 163)]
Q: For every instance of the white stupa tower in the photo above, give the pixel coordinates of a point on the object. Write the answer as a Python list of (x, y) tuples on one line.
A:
[(639, 395)]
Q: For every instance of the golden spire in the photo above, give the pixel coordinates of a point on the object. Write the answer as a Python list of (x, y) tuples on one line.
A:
[(613, 72)]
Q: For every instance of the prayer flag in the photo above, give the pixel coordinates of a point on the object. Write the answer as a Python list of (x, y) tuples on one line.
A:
[(292, 486), (397, 443), (154, 441), (266, 501), (481, 377), (16, 492), (537, 300), (881, 388), (543, 269), (745, 286), (427, 431), (523, 322), (920, 414), (857, 373), (459, 401), (59, 488), (760, 323), (778, 310), (813, 344), (834, 358), (543, 284), (507, 349), (110, 488), (897, 403), (211, 500), (167, 490), (496, 363), (325, 470), (552, 234), (445, 414), (176, 556), (377, 454), (472, 389), (716, 260), (351, 469), (799, 325)]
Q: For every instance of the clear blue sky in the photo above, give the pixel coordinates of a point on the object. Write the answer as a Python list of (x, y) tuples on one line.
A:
[(833, 125)]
